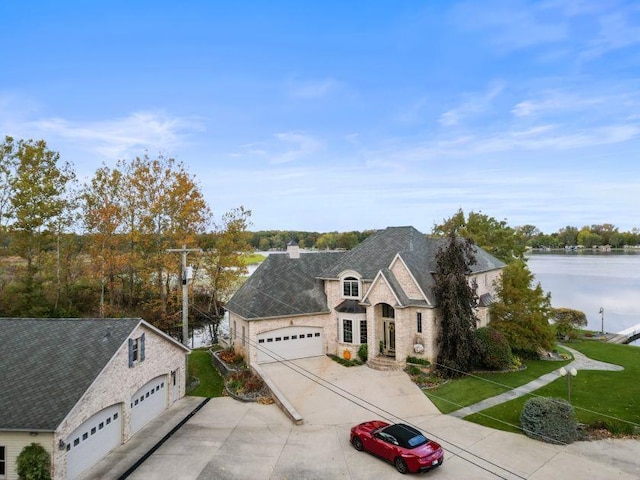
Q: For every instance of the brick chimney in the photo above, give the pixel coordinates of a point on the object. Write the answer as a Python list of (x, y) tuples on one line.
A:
[(293, 250)]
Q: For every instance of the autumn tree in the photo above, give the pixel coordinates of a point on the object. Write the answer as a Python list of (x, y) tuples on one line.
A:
[(104, 222), (456, 298), (522, 311), (7, 173), (39, 201), (223, 267), (144, 206), (494, 236)]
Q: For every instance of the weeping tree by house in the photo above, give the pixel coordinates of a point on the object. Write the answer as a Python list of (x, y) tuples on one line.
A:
[(456, 298)]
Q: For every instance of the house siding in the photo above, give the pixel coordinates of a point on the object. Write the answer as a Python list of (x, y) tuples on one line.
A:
[(14, 442), (118, 382)]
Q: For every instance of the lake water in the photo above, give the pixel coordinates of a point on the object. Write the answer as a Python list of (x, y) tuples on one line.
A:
[(588, 282)]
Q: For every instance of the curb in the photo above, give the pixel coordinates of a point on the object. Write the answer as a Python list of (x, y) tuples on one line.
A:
[(151, 451)]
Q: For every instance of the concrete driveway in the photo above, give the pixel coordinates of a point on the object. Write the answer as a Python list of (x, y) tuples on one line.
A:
[(228, 439)]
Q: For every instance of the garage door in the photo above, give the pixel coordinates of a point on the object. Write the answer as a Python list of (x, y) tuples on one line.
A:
[(93, 440), (289, 343), (148, 402)]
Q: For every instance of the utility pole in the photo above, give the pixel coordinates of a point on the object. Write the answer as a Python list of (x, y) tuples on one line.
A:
[(186, 276)]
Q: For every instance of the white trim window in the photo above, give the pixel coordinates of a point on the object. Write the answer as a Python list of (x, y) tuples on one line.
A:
[(350, 287), (363, 331), (353, 330), (347, 330)]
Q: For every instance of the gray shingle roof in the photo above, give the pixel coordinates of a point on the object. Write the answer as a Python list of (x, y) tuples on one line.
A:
[(283, 286), (377, 252), (47, 364)]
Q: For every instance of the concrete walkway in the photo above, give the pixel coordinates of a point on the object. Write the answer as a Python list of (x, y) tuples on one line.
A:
[(580, 362)]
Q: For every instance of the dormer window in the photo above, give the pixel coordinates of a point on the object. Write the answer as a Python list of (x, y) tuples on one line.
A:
[(351, 287)]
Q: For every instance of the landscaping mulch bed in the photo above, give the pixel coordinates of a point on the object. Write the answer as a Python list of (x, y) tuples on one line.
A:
[(240, 382)]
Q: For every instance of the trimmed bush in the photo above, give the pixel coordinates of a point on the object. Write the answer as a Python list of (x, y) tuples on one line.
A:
[(550, 420), (363, 353), (494, 352), (418, 361), (34, 463)]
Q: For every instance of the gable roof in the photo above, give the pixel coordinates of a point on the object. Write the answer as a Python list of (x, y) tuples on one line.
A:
[(284, 286), (48, 364), (377, 252)]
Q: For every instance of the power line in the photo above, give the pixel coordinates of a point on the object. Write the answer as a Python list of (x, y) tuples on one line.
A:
[(336, 389)]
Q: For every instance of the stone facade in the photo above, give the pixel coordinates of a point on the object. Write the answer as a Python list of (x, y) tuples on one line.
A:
[(383, 285), (377, 293), (118, 383)]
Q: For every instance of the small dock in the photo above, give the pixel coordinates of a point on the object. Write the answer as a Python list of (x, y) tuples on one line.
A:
[(627, 335)]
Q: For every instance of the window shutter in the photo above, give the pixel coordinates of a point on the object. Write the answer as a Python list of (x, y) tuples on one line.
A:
[(130, 352), (142, 348)]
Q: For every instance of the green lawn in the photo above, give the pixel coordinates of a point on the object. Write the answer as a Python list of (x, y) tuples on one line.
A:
[(598, 397), (254, 258), (211, 382), (472, 389)]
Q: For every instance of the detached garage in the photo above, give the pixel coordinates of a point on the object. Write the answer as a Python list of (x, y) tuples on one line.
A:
[(93, 440), (290, 343), (91, 384)]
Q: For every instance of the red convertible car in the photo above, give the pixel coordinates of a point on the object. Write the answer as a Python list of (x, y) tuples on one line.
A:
[(404, 446)]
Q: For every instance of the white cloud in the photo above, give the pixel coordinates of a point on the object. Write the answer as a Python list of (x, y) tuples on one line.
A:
[(472, 106), (115, 137), (617, 30), (108, 138), (513, 25), (564, 102), (312, 89), (303, 146)]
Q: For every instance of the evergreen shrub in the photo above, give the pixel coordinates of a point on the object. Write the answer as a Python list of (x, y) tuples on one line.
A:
[(363, 353), (418, 361), (550, 420), (494, 352), (34, 463)]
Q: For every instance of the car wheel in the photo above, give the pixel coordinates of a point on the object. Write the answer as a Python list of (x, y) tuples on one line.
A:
[(357, 443), (401, 465)]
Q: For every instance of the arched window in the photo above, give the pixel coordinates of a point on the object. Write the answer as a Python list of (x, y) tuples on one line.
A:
[(351, 287), (388, 311)]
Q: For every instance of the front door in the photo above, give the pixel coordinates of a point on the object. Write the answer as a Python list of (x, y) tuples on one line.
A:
[(390, 337)]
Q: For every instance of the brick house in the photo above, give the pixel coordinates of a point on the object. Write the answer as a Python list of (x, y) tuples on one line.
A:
[(380, 293), (81, 387)]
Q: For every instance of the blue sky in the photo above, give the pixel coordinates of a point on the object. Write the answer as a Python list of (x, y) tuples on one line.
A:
[(340, 115)]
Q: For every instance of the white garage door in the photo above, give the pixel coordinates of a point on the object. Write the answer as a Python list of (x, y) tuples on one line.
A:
[(148, 402), (289, 343), (93, 440)]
